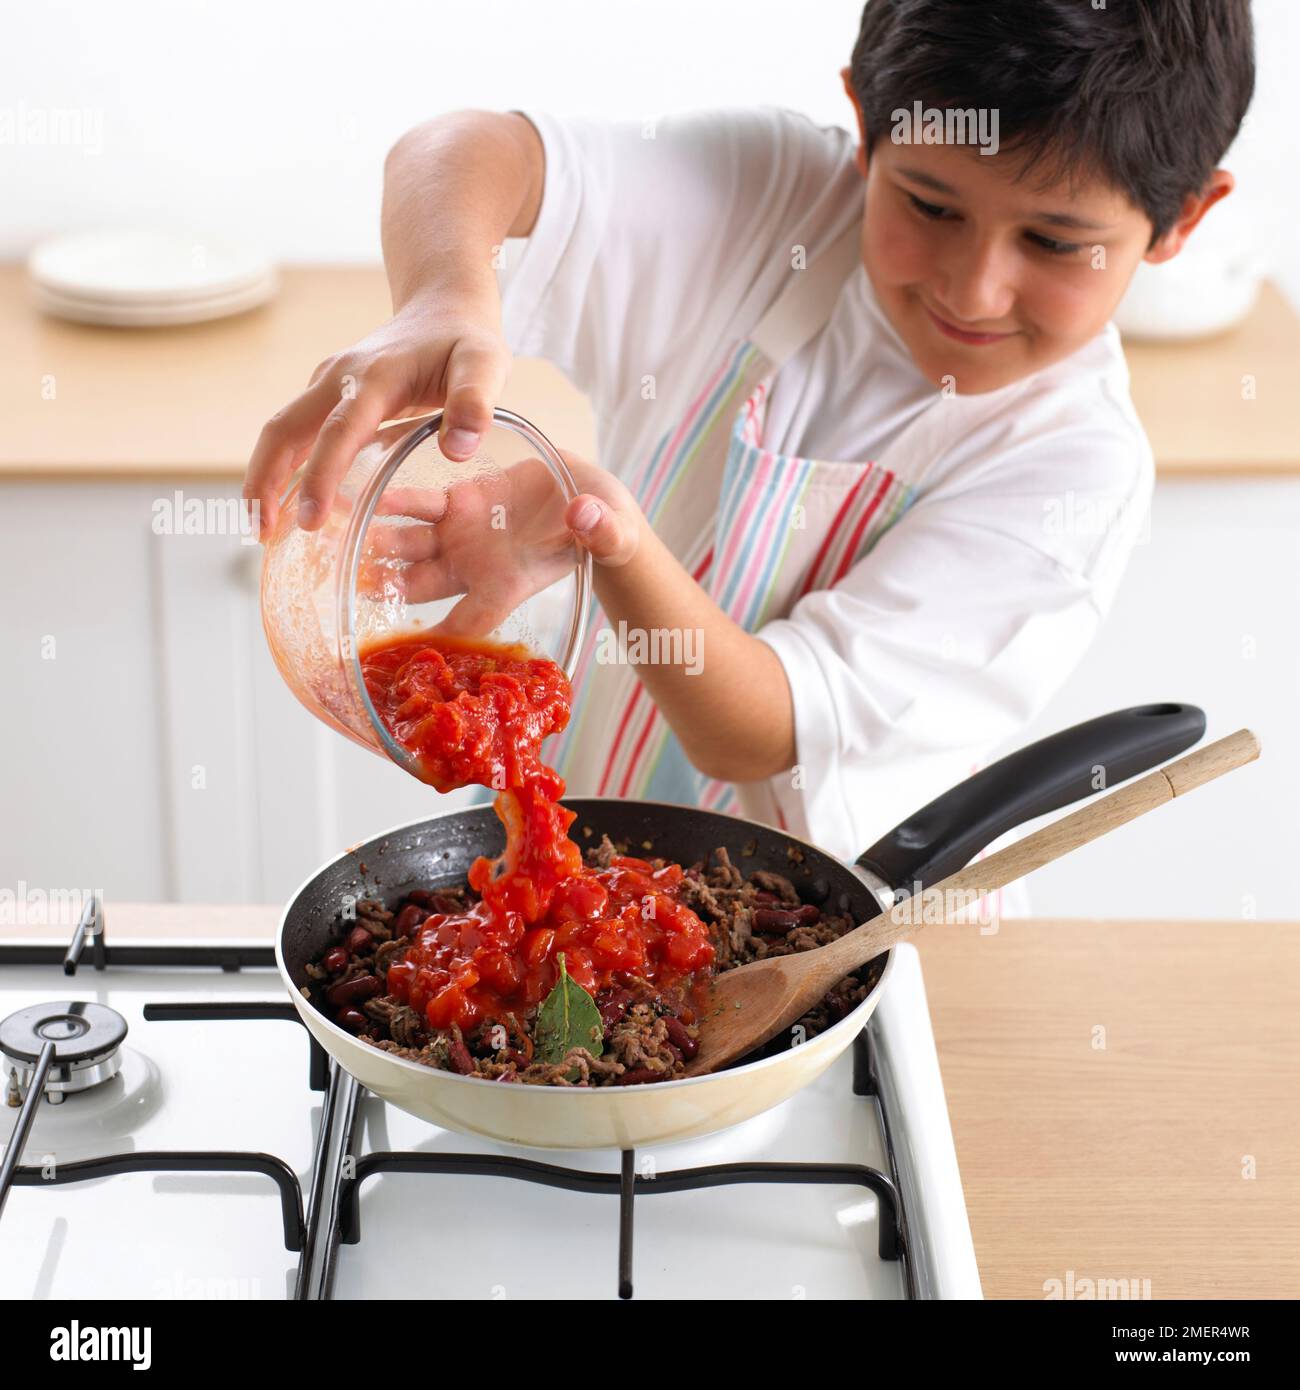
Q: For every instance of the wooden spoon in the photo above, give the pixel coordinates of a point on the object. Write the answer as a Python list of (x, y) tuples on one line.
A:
[(750, 1005)]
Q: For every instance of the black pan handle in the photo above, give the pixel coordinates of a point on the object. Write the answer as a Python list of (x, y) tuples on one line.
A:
[(1044, 776)]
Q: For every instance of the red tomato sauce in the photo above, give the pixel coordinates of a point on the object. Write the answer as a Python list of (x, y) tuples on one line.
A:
[(469, 712), (476, 713)]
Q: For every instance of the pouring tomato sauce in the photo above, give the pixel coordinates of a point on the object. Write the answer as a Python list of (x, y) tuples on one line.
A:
[(475, 713)]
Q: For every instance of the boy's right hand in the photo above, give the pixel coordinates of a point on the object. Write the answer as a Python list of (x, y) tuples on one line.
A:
[(437, 350)]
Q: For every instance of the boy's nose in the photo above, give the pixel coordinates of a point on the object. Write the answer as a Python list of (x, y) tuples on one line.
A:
[(980, 287)]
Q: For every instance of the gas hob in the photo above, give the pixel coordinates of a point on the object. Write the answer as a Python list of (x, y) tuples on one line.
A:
[(190, 1140)]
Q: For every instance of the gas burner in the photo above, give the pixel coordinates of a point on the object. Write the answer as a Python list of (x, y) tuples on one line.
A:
[(87, 1039), (101, 1120)]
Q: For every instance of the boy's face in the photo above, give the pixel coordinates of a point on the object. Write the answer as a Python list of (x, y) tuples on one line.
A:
[(981, 276), (987, 279)]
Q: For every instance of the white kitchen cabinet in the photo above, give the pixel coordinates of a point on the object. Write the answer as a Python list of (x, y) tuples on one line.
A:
[(152, 750)]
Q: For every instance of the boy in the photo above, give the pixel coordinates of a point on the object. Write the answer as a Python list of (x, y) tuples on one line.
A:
[(859, 406)]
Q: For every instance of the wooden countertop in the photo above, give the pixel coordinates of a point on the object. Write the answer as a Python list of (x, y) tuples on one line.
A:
[(1225, 406), (85, 401), (1110, 1085), (190, 401), (1126, 1160)]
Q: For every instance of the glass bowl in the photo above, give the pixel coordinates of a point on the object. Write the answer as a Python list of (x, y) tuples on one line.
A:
[(416, 541)]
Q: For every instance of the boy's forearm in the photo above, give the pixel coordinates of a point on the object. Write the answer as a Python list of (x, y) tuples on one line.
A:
[(735, 717), (454, 189)]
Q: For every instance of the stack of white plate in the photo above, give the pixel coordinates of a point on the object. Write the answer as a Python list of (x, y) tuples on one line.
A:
[(145, 279)]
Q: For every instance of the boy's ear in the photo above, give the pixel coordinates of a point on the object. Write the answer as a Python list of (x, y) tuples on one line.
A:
[(860, 159), (1195, 206)]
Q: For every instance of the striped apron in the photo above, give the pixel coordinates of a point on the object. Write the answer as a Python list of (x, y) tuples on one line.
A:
[(757, 529)]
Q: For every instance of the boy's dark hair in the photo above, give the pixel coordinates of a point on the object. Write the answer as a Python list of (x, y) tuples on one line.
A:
[(1146, 93)]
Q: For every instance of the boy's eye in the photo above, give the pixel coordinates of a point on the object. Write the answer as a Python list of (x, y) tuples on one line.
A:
[(1053, 247), (927, 209)]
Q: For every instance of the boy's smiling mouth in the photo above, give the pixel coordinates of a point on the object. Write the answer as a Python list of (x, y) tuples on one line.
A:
[(974, 337)]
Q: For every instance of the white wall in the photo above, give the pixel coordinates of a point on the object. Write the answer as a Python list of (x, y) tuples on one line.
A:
[(270, 121)]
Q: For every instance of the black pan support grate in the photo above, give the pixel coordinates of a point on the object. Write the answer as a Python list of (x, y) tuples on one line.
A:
[(628, 1185), (333, 1212)]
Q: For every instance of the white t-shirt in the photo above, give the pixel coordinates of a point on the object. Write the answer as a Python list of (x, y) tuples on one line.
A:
[(652, 253)]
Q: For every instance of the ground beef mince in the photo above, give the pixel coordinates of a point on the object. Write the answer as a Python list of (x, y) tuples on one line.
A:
[(649, 1033)]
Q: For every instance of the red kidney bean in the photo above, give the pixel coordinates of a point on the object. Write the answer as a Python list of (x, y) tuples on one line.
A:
[(352, 991), (637, 1077), (358, 940), (613, 1007), (335, 959), (461, 1061), (351, 1019), (767, 899), (680, 1038), (776, 921), (408, 919)]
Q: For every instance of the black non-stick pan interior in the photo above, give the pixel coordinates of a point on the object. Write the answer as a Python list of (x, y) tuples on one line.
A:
[(438, 852)]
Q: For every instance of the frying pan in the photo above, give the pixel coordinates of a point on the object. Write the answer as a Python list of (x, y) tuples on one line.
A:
[(929, 845)]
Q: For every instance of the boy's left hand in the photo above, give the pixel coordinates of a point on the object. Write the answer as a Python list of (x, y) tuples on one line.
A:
[(604, 518), (497, 540)]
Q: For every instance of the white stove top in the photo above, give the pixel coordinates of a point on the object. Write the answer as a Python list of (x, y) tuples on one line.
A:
[(243, 1085)]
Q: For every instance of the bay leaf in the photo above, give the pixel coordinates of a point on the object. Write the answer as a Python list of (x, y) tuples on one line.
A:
[(567, 1019)]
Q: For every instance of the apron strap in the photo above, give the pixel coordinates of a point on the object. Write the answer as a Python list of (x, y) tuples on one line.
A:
[(804, 306)]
